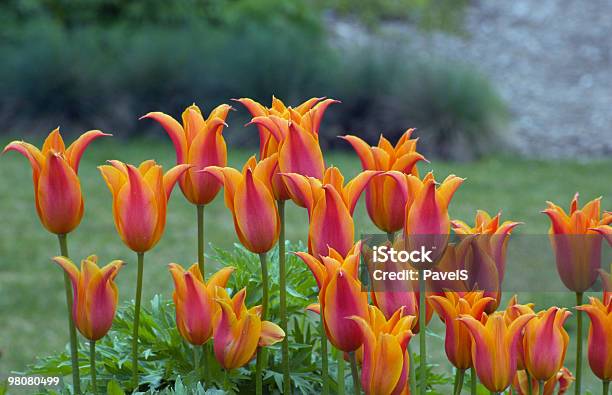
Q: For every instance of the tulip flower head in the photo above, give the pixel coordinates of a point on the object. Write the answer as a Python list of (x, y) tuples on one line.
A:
[(513, 311), (330, 204), (140, 199), (95, 294), (449, 307), (385, 362), (195, 302), (57, 189), (600, 337), (248, 195), (545, 343), (198, 142), (386, 199), (238, 331), (576, 241), (494, 352), (563, 379), (340, 295)]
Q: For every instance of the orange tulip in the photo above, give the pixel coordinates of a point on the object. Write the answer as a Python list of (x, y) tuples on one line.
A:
[(385, 198), (57, 190), (140, 198), (606, 279), (457, 343), (248, 195), (576, 244), (427, 220), (600, 337), (340, 295), (385, 363), (512, 312), (238, 331), (330, 204), (563, 378), (494, 348), (545, 343), (198, 142), (194, 300), (293, 133), (95, 294)]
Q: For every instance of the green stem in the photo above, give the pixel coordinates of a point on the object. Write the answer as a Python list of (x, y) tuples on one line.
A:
[(264, 311), (355, 373), (340, 377), (137, 321), (226, 382), (459, 381), (74, 351), (196, 363), (473, 381), (422, 335), (540, 387), (391, 236), (282, 279), (92, 366), (200, 208), (412, 373), (324, 360), (529, 390), (578, 345), (205, 352), (606, 387)]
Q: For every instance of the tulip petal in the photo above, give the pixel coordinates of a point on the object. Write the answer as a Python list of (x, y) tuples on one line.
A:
[(270, 334), (300, 153), (174, 130), (77, 148)]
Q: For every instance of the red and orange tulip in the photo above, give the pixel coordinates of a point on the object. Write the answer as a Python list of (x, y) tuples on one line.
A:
[(386, 199), (563, 379), (600, 337), (194, 301), (238, 331), (57, 189), (494, 352), (457, 343), (576, 243), (385, 361), (545, 343), (140, 199), (249, 196), (330, 204), (95, 294), (340, 295), (512, 312), (198, 142)]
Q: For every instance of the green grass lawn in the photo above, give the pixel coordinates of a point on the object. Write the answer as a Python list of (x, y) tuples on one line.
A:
[(32, 305)]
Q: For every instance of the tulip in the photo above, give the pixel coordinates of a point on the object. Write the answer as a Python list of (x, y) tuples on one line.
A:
[(492, 238), (576, 240), (545, 343), (385, 198), (385, 360), (194, 300), (330, 204), (238, 331), (494, 348), (59, 201), (140, 198), (198, 142), (600, 339), (563, 378), (95, 295), (513, 311), (606, 279)]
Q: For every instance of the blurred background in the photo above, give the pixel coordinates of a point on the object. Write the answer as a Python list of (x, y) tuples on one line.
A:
[(515, 96)]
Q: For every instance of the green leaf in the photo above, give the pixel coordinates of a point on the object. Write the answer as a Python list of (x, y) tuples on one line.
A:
[(113, 388)]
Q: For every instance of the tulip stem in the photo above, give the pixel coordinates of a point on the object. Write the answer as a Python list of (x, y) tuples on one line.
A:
[(459, 381), (473, 381), (74, 351), (540, 387), (391, 236), (137, 321), (340, 377), (606, 387), (264, 310), (324, 360), (411, 372), (282, 279), (578, 344), (422, 335), (529, 390), (92, 366), (196, 362), (355, 373), (200, 208)]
